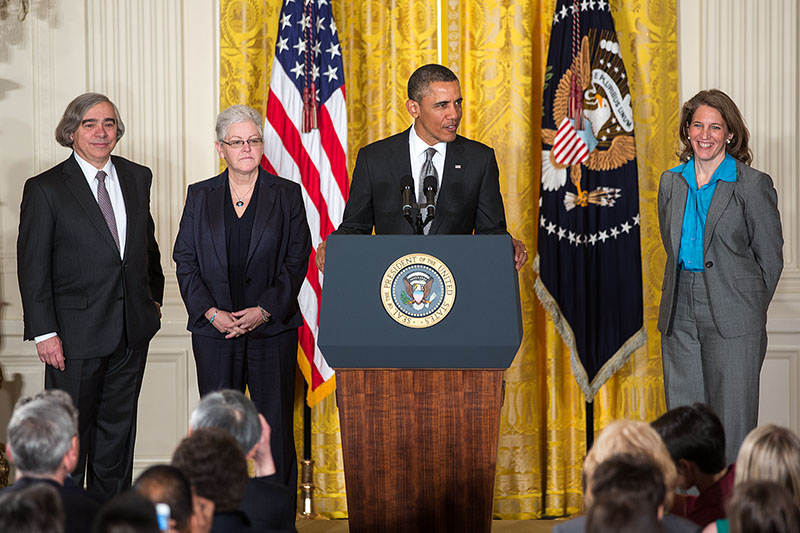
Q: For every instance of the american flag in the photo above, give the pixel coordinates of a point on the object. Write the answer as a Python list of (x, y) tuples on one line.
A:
[(305, 140)]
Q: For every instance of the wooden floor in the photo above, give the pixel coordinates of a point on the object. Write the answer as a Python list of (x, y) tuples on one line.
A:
[(498, 526)]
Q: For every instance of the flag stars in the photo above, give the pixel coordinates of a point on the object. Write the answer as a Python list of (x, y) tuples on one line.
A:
[(333, 50), (601, 5), (571, 238), (331, 73), (297, 70), (564, 12), (542, 221), (602, 236), (320, 21), (625, 227), (561, 233), (317, 48), (551, 228), (614, 232), (282, 44), (636, 219), (286, 20), (593, 239), (584, 5), (315, 72), (333, 27), (300, 47), (305, 22)]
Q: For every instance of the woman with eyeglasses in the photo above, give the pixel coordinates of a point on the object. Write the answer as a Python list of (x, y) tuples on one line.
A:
[(242, 254)]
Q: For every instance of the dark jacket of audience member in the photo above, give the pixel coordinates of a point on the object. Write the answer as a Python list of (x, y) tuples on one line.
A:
[(621, 512)]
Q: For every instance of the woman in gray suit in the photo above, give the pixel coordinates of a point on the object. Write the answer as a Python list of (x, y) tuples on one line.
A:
[(721, 230)]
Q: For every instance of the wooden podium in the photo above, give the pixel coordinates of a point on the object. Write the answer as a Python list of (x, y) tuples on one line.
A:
[(419, 407)]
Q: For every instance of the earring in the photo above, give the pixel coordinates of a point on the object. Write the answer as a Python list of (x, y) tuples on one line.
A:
[(728, 141)]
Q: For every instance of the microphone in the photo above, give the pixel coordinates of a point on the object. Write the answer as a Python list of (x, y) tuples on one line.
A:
[(407, 190), (429, 189)]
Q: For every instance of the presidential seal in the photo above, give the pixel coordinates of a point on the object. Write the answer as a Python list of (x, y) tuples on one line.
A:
[(418, 290)]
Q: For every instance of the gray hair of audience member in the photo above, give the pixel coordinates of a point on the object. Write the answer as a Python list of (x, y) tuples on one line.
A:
[(232, 411), (620, 512), (53, 395), (34, 509), (128, 512), (236, 114), (762, 507), (167, 484), (76, 110), (39, 435)]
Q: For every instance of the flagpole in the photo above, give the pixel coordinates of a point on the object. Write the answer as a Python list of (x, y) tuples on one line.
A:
[(307, 487), (589, 425)]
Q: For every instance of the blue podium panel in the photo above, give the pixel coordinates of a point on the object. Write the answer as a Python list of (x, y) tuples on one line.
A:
[(482, 327)]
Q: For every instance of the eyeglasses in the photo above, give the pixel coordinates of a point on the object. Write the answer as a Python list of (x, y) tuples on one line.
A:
[(238, 143)]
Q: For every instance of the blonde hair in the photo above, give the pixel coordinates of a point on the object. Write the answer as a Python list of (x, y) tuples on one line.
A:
[(771, 453), (636, 438)]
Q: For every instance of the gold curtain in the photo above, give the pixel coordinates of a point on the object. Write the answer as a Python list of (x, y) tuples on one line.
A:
[(498, 48)]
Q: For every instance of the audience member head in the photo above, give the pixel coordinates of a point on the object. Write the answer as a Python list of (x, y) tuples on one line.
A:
[(128, 512), (635, 438), (635, 475), (693, 434), (215, 465), (762, 507), (34, 509), (614, 512), (231, 411), (167, 484), (43, 438), (771, 453)]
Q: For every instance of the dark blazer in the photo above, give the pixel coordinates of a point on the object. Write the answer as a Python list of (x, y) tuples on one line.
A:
[(469, 199), (277, 261), (71, 277), (79, 508), (269, 504), (743, 249)]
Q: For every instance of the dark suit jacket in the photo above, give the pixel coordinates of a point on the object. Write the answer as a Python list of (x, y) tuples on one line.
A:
[(269, 503), (71, 277), (277, 262), (469, 199), (743, 249), (79, 508)]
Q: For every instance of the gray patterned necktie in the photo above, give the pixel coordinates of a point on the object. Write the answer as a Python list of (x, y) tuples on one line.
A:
[(427, 170), (104, 201)]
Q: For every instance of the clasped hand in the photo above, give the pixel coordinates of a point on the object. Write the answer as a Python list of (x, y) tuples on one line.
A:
[(237, 323)]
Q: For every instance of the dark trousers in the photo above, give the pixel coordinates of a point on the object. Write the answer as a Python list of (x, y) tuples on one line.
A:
[(106, 392), (267, 368)]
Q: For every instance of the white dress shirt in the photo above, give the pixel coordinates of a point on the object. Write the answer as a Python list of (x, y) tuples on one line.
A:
[(416, 149)]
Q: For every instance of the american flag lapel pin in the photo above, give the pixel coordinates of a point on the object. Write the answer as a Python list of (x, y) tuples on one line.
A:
[(458, 166)]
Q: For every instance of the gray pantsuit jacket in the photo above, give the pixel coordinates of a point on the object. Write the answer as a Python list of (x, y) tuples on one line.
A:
[(743, 249)]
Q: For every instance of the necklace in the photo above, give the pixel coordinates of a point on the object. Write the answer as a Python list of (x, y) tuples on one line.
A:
[(240, 201)]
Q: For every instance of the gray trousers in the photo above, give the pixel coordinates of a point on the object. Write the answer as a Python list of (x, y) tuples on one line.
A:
[(702, 366)]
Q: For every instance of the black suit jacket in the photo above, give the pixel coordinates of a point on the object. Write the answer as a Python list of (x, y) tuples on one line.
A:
[(269, 503), (277, 262), (469, 200), (79, 508), (71, 277)]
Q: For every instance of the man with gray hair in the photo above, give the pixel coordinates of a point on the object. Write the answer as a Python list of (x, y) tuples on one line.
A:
[(91, 284), (44, 446), (267, 502)]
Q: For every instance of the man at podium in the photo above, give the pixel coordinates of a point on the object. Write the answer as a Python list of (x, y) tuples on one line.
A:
[(449, 183)]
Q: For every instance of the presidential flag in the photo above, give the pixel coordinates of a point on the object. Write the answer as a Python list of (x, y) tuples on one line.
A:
[(305, 140), (589, 255)]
